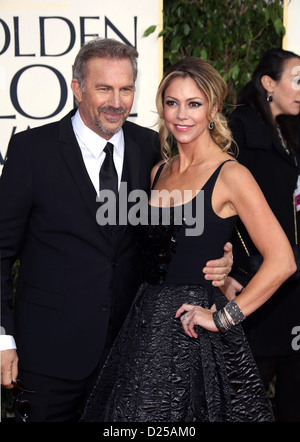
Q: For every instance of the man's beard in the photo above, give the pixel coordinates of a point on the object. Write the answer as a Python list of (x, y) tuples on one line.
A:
[(110, 110)]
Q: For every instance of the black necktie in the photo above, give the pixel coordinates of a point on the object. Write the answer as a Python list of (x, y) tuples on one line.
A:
[(108, 173)]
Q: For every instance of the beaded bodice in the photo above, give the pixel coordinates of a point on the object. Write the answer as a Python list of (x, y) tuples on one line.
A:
[(176, 252)]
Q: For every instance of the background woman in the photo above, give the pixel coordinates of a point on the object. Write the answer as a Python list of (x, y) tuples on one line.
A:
[(264, 128)]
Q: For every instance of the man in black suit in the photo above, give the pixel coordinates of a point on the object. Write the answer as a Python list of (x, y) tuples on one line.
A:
[(77, 279)]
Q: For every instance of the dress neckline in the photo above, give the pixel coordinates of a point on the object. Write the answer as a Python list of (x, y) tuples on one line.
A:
[(189, 201)]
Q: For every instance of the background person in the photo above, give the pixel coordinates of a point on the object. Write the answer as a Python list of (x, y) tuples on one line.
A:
[(263, 126)]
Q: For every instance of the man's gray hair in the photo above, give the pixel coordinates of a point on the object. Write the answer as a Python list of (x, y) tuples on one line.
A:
[(103, 48)]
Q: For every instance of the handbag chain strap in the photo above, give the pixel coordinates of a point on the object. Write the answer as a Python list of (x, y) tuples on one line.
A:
[(295, 227), (242, 241), (295, 219)]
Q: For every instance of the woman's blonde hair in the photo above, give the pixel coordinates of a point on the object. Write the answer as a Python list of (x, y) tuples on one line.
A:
[(211, 85)]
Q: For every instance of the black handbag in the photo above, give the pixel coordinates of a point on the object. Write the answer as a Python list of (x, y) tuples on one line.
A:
[(256, 260)]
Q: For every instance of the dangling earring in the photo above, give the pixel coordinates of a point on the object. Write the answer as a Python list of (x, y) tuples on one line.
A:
[(270, 98), (211, 125)]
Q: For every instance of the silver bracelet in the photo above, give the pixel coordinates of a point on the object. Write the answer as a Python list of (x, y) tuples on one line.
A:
[(233, 310), (228, 316), (219, 323)]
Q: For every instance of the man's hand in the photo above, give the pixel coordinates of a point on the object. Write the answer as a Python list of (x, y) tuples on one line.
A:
[(9, 367), (218, 269)]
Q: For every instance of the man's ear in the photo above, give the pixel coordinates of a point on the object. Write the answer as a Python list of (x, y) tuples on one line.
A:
[(268, 83), (76, 88)]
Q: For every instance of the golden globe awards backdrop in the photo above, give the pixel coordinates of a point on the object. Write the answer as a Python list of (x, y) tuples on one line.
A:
[(39, 40)]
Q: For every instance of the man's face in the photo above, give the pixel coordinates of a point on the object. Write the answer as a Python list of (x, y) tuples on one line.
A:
[(107, 96)]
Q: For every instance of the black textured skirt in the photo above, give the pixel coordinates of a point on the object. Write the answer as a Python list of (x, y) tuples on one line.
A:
[(156, 373)]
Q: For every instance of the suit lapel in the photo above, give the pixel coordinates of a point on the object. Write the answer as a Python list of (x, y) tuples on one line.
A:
[(73, 157), (132, 160), (130, 176)]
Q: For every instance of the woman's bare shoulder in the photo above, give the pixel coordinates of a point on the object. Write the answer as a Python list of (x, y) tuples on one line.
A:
[(233, 170)]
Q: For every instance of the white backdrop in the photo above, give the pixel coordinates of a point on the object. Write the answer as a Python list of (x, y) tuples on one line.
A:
[(291, 39), (39, 40)]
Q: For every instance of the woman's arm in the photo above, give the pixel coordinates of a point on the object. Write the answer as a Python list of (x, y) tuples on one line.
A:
[(266, 234), (239, 193)]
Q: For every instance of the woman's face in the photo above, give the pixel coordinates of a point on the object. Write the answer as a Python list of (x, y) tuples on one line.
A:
[(286, 93), (185, 110)]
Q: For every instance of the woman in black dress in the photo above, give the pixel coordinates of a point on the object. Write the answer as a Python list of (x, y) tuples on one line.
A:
[(181, 355)]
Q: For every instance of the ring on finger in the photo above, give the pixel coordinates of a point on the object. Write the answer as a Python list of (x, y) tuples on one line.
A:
[(186, 318)]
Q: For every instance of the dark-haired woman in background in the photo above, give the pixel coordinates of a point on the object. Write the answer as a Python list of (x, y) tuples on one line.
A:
[(264, 127)]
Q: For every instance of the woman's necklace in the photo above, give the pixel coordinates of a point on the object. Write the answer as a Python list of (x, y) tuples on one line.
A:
[(283, 141)]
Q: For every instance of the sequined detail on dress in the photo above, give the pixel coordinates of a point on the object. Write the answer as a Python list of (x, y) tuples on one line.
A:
[(157, 244)]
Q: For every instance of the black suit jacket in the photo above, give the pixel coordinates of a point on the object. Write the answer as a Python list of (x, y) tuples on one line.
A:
[(269, 328), (72, 278)]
